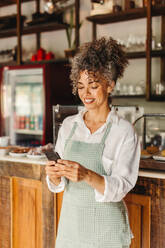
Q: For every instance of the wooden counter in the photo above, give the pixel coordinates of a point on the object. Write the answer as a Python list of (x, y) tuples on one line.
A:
[(151, 164), (27, 207), (151, 186), (29, 212)]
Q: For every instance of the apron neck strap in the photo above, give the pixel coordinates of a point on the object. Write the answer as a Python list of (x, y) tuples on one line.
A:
[(103, 138), (73, 130), (106, 133)]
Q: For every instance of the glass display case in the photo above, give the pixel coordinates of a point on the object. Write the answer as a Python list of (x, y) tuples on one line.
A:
[(153, 130)]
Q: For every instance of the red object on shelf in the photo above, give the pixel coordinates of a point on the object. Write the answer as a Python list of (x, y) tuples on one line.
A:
[(41, 54), (49, 56), (34, 57)]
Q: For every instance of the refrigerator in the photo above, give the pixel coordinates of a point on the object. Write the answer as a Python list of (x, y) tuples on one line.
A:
[(28, 93)]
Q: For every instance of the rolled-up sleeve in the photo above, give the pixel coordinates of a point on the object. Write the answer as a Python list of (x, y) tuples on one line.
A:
[(60, 149), (124, 172), (56, 188)]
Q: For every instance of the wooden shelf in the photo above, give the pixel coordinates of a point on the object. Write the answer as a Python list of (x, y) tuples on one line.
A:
[(153, 97), (142, 54), (10, 2), (129, 96), (136, 55), (125, 15), (30, 132), (45, 27), (159, 98), (158, 53), (62, 60), (9, 63), (29, 62)]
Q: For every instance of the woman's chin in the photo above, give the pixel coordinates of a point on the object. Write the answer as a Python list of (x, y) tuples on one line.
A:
[(90, 106)]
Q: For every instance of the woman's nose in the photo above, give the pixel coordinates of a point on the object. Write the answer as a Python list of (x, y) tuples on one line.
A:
[(87, 91)]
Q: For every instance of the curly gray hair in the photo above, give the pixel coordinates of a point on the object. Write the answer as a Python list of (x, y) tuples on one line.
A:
[(105, 56)]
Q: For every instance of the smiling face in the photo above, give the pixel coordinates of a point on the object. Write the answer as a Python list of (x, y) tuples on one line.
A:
[(94, 90)]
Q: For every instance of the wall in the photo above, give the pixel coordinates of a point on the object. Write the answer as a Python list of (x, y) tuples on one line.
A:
[(56, 42)]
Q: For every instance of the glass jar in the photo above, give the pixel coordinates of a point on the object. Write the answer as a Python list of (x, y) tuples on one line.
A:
[(160, 88)]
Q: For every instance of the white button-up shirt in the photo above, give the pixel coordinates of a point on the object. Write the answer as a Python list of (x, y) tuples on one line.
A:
[(120, 158)]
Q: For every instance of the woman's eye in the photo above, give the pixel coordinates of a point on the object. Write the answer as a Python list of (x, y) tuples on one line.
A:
[(94, 87), (80, 88)]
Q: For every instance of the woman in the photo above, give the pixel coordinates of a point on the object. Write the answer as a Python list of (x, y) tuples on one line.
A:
[(100, 155)]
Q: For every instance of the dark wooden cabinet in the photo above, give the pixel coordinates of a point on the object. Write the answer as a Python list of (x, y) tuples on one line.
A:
[(139, 210), (26, 214), (137, 13), (27, 210), (155, 189)]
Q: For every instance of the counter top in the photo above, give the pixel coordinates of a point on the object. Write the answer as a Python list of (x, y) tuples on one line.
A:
[(148, 167), (23, 160), (151, 164), (152, 174)]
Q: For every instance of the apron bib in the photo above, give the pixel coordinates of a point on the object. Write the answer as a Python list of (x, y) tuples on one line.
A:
[(85, 223)]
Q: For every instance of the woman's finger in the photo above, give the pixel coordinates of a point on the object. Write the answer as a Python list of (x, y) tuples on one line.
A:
[(67, 162), (50, 163), (64, 167)]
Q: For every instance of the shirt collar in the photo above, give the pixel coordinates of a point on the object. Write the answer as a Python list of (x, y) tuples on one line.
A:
[(112, 116)]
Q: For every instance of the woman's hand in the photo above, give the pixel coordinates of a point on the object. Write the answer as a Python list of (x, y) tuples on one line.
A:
[(53, 172), (76, 173), (72, 170)]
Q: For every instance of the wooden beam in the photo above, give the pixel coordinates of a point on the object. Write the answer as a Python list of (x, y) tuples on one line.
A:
[(19, 41), (94, 31), (162, 76), (148, 51), (77, 22), (38, 35)]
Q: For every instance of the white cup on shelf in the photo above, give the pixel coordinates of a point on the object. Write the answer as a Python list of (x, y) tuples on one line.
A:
[(4, 141)]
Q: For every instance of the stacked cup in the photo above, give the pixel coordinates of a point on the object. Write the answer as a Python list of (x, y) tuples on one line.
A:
[(4, 142)]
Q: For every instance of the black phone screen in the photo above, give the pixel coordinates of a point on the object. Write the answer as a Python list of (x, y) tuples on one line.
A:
[(52, 155)]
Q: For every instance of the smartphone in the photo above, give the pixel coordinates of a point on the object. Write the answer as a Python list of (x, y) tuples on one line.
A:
[(52, 155)]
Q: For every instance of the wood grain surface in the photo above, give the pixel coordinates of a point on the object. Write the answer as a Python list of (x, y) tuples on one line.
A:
[(155, 188), (32, 206), (5, 212), (26, 213)]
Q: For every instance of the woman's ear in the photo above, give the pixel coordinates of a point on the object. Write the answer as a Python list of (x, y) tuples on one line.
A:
[(111, 87)]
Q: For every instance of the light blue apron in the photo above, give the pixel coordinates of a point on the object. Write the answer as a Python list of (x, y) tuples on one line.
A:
[(85, 223)]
